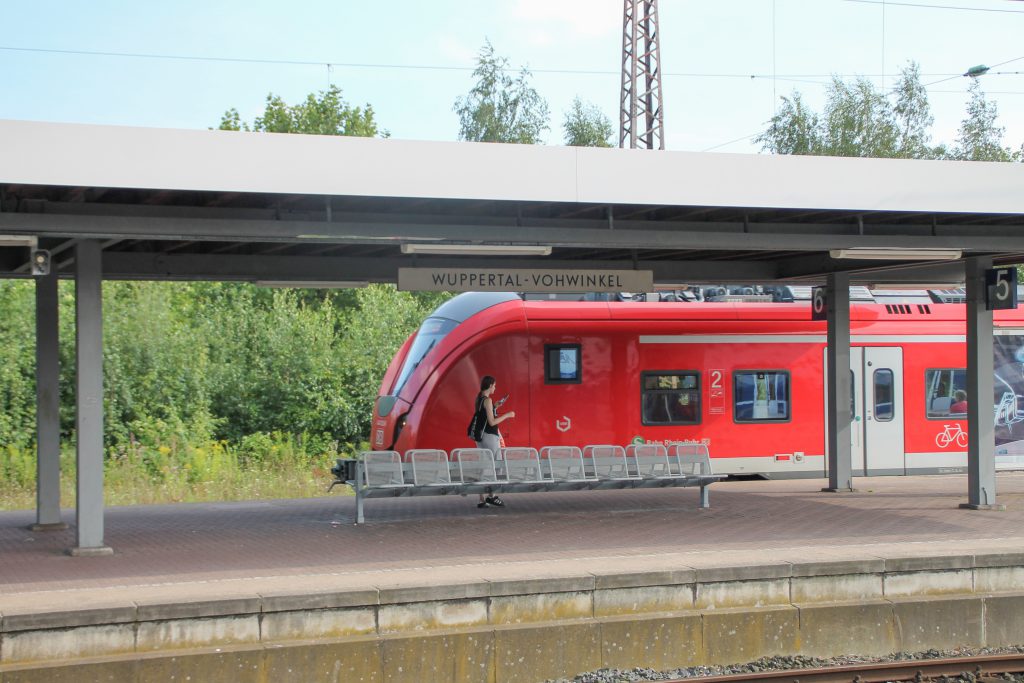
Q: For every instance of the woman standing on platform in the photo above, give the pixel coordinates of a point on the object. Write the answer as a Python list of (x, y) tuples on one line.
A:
[(491, 437)]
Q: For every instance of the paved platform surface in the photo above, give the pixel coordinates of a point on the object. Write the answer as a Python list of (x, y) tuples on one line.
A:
[(192, 552)]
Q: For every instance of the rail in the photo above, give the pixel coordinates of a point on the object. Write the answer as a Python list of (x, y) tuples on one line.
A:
[(431, 472), (982, 667)]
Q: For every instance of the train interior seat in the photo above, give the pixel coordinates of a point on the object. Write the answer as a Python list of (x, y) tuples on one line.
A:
[(940, 405)]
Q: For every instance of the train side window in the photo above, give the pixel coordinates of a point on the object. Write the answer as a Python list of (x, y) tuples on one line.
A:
[(884, 397), (562, 364), (761, 396), (670, 397), (945, 393), (853, 395)]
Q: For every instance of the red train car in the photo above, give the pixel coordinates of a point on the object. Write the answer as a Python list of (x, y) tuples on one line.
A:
[(747, 379)]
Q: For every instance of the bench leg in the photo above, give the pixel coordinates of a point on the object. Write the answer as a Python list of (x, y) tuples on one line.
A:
[(705, 501), (359, 492)]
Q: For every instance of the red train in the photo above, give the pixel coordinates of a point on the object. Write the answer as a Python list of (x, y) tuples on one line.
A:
[(745, 378)]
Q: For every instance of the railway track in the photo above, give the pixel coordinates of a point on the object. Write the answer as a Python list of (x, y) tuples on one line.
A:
[(984, 669)]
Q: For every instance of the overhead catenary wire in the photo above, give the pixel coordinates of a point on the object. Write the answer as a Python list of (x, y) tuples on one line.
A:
[(330, 65), (418, 67), (823, 78), (926, 85), (919, 5), (1008, 61), (739, 139)]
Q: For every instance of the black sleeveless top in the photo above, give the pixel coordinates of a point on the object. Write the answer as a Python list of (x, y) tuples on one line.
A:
[(482, 415)]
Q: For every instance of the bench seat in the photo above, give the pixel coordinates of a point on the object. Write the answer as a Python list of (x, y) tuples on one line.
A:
[(430, 472)]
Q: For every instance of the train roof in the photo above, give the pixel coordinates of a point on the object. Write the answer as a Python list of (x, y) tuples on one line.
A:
[(865, 305), (468, 304)]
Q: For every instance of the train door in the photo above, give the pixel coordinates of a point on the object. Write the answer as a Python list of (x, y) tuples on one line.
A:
[(882, 396), (876, 406), (856, 410)]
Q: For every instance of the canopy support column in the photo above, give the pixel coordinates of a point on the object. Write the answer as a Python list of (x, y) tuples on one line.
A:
[(840, 458), (89, 398), (981, 458), (47, 406)]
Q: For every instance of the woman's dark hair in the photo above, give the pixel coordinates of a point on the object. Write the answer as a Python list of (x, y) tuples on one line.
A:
[(486, 383)]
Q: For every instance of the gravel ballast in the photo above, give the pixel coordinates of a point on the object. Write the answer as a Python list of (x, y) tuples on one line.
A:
[(785, 663)]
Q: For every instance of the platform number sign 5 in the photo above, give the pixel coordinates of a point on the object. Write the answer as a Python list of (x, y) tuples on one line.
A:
[(819, 304), (1000, 289)]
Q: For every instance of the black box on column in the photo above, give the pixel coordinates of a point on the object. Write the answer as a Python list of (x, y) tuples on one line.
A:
[(1000, 289), (40, 262), (819, 304)]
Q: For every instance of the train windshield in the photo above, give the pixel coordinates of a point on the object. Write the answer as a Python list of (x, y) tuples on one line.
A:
[(430, 333)]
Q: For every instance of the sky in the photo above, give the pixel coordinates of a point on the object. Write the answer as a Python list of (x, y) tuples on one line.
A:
[(726, 63)]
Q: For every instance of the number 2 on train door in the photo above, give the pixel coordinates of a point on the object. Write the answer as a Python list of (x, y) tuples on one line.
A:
[(716, 392)]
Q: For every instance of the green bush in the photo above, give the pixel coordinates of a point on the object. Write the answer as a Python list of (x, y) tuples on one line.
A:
[(211, 390), (17, 364)]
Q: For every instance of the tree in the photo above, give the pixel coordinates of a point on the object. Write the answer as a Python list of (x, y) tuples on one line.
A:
[(979, 138), (858, 121), (793, 130), (586, 126), (913, 116), (17, 367), (324, 114), (500, 108)]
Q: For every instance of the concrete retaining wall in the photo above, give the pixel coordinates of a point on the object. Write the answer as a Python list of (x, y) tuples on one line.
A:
[(527, 631)]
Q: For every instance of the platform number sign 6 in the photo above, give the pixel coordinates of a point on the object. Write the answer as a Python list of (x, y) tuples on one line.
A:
[(1000, 289), (819, 304)]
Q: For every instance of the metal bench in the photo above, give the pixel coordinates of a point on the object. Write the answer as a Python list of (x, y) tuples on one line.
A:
[(423, 472), (430, 467), (693, 460), (521, 464), (476, 465), (608, 462), (383, 469), (565, 463), (650, 461)]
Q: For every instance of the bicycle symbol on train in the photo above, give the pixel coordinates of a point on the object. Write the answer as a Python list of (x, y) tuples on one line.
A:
[(951, 433)]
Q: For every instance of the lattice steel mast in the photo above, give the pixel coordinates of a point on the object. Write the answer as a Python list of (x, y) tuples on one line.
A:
[(640, 114)]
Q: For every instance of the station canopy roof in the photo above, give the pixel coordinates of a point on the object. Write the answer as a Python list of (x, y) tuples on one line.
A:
[(221, 205)]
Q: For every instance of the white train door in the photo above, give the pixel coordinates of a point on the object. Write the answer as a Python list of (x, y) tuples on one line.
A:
[(876, 405), (856, 410), (882, 426)]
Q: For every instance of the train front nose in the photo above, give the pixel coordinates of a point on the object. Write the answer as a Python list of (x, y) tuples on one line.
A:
[(389, 417)]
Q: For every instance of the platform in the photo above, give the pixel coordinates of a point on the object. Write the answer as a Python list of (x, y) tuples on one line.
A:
[(193, 551), (573, 578)]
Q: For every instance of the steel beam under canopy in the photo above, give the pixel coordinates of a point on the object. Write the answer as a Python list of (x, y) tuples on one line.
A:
[(47, 406), (840, 468), (981, 461), (89, 398)]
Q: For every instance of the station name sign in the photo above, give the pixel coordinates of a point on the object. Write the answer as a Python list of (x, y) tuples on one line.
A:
[(523, 280)]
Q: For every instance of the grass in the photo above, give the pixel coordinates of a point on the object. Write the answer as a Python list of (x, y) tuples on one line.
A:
[(261, 467)]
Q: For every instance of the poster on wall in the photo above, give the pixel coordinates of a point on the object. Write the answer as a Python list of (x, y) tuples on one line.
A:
[(1007, 395)]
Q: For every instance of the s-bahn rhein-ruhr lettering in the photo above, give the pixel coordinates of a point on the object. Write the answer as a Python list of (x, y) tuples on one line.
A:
[(523, 280)]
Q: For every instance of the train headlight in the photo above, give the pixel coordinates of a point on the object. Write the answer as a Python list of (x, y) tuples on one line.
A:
[(399, 426)]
